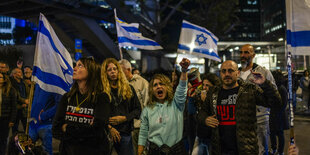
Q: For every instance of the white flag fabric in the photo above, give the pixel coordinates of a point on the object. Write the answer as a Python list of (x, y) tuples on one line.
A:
[(129, 35), (52, 69), (198, 41), (298, 26)]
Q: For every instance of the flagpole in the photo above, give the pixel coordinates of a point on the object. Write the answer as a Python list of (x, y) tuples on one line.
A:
[(120, 52), (175, 62), (289, 21), (290, 96), (29, 107)]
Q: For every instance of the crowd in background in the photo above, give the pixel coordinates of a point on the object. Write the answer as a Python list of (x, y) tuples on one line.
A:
[(112, 109)]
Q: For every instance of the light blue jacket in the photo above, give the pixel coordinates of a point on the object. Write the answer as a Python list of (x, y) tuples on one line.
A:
[(163, 123)]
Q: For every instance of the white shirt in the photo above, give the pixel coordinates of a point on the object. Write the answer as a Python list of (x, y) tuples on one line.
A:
[(244, 75)]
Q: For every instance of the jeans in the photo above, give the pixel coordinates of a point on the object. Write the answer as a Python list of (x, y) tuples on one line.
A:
[(124, 147), (263, 137), (201, 146), (44, 132)]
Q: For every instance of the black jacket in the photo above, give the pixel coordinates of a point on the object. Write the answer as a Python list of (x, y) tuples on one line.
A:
[(8, 106), (279, 118), (80, 132), (130, 108), (249, 95)]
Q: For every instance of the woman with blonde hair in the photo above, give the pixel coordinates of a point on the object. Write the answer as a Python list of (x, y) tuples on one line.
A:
[(125, 105), (162, 118), (8, 99)]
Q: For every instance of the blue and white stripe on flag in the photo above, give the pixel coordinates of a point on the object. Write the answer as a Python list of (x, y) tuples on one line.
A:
[(52, 73), (198, 41), (129, 35), (52, 62), (298, 26)]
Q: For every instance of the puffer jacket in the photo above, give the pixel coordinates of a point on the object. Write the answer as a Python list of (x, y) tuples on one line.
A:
[(249, 95), (262, 113)]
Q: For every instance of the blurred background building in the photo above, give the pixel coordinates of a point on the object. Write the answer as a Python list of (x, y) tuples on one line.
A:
[(258, 22)]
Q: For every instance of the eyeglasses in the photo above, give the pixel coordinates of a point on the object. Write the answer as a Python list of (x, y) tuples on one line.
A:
[(223, 71), (244, 52)]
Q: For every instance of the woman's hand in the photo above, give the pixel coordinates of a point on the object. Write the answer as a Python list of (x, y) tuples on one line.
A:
[(203, 95), (64, 127), (185, 63), (117, 120), (115, 134), (140, 149), (293, 150)]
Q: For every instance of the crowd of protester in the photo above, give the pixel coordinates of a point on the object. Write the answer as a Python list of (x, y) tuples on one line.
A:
[(112, 109)]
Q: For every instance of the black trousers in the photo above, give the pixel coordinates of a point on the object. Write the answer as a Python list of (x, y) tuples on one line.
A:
[(4, 128), (274, 134), (22, 118)]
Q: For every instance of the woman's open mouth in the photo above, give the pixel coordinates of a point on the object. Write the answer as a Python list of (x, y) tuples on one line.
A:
[(160, 93)]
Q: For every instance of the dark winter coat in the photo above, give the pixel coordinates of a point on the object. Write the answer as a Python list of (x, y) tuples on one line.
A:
[(279, 118), (8, 106), (249, 95)]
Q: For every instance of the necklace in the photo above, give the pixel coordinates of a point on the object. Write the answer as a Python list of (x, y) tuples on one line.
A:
[(77, 109)]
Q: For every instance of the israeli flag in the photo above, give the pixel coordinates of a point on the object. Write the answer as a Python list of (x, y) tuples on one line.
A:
[(198, 41), (52, 73), (52, 62), (129, 35), (298, 26)]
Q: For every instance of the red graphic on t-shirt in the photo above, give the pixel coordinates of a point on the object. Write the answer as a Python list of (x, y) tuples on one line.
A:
[(226, 114)]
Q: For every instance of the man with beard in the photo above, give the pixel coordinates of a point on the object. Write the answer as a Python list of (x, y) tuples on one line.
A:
[(231, 111), (247, 55)]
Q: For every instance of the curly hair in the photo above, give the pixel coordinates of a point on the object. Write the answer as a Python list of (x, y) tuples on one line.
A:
[(213, 78), (167, 83), (123, 86)]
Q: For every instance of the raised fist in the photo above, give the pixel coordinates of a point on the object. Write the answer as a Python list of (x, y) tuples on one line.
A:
[(185, 63)]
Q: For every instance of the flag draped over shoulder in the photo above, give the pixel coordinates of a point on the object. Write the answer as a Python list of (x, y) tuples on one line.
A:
[(52, 72), (198, 41), (298, 26), (129, 35)]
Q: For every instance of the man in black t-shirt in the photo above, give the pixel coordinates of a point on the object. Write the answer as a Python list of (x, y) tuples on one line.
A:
[(231, 111), (226, 105)]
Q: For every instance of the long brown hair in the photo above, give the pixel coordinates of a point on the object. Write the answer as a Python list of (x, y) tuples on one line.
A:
[(6, 85), (167, 83), (93, 81), (122, 84)]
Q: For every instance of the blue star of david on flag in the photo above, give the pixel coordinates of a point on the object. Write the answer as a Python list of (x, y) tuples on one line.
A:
[(201, 39)]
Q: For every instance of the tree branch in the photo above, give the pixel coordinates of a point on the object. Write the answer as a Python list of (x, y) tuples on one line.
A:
[(163, 24), (164, 7)]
